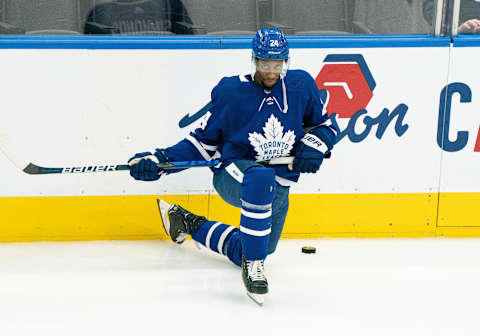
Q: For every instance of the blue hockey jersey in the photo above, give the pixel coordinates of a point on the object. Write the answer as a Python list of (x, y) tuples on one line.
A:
[(247, 121)]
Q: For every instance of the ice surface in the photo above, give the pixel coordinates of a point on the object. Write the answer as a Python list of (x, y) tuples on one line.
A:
[(349, 287)]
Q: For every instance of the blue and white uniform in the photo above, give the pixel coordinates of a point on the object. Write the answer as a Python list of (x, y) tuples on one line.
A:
[(246, 124), (249, 123)]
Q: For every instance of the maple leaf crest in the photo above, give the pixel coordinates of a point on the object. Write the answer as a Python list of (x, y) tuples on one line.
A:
[(273, 142)]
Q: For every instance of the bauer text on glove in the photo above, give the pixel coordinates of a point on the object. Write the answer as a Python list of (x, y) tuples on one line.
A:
[(312, 148)]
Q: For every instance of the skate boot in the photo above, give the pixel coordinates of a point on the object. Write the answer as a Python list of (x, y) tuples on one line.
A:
[(178, 222), (254, 280)]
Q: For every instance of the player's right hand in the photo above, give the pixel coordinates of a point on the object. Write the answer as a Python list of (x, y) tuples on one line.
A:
[(144, 166)]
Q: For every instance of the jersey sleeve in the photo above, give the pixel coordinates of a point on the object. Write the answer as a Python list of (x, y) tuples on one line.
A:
[(202, 143), (316, 114)]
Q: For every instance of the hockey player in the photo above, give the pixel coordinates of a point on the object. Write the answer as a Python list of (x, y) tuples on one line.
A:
[(253, 118)]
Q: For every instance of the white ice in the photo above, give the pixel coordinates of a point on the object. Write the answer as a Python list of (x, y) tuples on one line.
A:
[(349, 287)]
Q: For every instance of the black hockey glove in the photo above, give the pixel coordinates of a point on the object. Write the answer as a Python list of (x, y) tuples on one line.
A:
[(143, 166), (312, 148)]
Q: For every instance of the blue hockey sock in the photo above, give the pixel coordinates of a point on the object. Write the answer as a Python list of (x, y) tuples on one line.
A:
[(214, 235), (233, 248), (258, 189)]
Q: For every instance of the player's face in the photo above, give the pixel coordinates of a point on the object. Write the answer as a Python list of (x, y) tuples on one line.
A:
[(268, 72)]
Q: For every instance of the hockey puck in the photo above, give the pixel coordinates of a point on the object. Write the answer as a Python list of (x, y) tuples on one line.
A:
[(309, 249)]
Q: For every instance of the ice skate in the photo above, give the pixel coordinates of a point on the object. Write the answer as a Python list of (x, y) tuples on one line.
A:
[(178, 222), (254, 280)]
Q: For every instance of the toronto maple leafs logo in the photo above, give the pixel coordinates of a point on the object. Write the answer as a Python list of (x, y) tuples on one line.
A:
[(273, 143)]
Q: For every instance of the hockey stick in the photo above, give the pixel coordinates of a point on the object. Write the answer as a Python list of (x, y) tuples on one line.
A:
[(30, 168), (11, 153), (33, 169)]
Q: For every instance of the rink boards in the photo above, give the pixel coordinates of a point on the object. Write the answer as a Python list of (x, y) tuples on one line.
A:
[(405, 164)]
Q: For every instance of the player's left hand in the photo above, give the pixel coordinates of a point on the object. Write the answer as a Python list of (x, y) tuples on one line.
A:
[(311, 150)]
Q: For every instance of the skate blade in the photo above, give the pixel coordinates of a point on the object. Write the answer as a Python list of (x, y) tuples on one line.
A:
[(163, 207), (257, 298)]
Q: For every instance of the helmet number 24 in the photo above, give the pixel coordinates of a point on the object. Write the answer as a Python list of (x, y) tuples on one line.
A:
[(274, 43)]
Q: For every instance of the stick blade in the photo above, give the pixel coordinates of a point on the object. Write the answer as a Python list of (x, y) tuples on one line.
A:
[(33, 169), (11, 152)]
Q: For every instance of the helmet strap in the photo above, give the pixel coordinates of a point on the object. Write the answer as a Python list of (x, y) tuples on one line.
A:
[(286, 66)]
